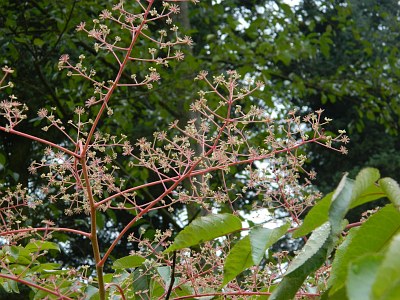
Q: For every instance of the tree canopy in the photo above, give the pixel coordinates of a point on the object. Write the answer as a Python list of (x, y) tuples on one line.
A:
[(341, 56)]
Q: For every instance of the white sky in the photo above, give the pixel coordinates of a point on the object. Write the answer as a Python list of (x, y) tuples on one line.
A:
[(292, 2)]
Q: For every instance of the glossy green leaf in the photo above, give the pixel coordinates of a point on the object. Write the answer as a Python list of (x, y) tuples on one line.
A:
[(361, 276), (46, 267), (14, 251), (205, 229), (371, 237), (388, 275), (392, 190), (372, 193), (141, 283), (238, 259), (41, 246), (24, 256), (165, 273), (91, 293), (317, 216), (316, 241), (263, 238), (365, 178), (17, 269), (128, 262), (10, 286), (394, 292), (333, 207), (183, 290), (307, 261), (250, 250), (156, 289), (341, 200)]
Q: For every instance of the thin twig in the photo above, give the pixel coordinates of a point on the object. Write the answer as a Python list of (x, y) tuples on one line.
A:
[(171, 284)]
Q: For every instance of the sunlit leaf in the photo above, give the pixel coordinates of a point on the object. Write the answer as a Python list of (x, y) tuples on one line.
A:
[(41, 246), (238, 259), (317, 216), (392, 190), (308, 260), (127, 262), (361, 276), (263, 238), (388, 274), (371, 237), (205, 229), (365, 178)]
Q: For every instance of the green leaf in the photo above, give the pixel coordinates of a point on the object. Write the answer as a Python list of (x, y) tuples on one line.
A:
[(238, 259), (263, 238), (41, 246), (394, 292), (38, 42), (325, 43), (371, 237), (341, 200), (338, 295), (128, 262), (361, 276), (10, 286), (365, 178), (313, 245), (372, 193), (308, 260), (141, 284), (165, 273), (250, 250), (46, 267), (317, 216), (91, 293), (183, 290), (321, 242), (286, 8), (2, 161), (334, 207), (100, 220), (285, 57), (14, 251), (18, 269), (205, 229), (388, 275), (392, 190), (156, 289)]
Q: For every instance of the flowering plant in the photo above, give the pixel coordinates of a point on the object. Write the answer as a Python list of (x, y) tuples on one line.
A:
[(212, 162)]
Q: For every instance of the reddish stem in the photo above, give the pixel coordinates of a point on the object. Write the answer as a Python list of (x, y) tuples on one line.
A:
[(34, 285), (37, 139), (45, 229)]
